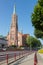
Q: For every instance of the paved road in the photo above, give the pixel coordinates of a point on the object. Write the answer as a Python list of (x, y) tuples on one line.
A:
[(40, 60), (29, 60), (10, 54)]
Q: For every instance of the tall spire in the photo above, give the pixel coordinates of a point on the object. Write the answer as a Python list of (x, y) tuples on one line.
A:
[(22, 30), (14, 9)]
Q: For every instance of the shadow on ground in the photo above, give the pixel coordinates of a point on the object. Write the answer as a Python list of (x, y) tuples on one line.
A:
[(19, 61)]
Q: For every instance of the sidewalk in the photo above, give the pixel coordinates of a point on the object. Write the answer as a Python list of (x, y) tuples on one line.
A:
[(40, 60), (29, 60)]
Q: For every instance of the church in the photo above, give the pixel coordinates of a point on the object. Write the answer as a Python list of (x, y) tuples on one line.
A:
[(15, 37)]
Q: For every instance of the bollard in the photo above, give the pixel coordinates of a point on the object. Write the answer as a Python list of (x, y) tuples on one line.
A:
[(15, 56), (7, 59), (35, 59)]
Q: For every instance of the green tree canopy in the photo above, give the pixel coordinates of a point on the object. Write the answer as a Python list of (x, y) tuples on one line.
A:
[(37, 19), (34, 42)]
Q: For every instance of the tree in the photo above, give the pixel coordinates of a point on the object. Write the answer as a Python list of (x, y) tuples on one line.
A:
[(33, 42), (37, 19), (29, 40)]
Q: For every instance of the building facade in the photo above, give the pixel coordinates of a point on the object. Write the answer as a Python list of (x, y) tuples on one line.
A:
[(24, 39), (14, 37), (3, 42), (20, 43)]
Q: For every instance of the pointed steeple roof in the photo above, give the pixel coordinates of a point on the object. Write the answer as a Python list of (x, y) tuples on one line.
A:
[(14, 11)]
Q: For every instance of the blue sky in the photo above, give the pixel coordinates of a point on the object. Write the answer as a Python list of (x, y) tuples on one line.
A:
[(24, 9)]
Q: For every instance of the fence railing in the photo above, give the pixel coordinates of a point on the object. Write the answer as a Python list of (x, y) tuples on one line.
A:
[(7, 59)]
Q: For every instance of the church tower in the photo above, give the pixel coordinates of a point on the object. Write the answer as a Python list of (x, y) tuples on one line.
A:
[(14, 29)]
